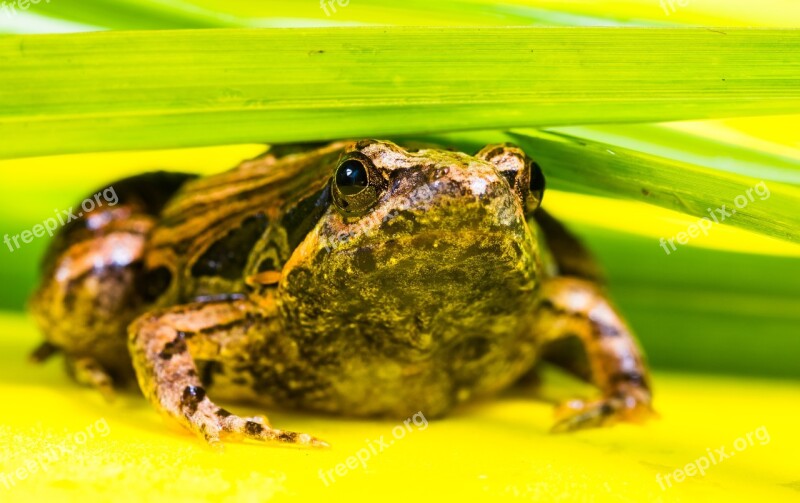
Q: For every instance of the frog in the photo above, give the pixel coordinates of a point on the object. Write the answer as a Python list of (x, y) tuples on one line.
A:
[(360, 278)]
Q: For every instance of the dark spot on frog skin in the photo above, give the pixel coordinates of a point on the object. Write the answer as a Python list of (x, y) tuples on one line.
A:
[(548, 305), (253, 428), (364, 260), (223, 413), (287, 436), (154, 282), (225, 258), (631, 377), (192, 396), (174, 347), (209, 368)]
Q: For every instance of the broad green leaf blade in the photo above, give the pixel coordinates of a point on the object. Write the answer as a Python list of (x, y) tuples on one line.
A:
[(129, 14), (136, 90), (583, 165), (138, 14), (180, 14)]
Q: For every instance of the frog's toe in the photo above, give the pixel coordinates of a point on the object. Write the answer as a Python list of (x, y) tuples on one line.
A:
[(578, 415), (217, 425), (254, 429)]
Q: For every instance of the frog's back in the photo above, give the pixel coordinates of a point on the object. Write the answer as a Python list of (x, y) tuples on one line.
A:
[(219, 230), (169, 238)]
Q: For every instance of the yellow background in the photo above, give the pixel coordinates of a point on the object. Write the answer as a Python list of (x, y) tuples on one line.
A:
[(498, 449)]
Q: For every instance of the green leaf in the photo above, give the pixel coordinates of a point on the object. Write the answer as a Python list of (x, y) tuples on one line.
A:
[(179, 14), (136, 90), (582, 165), (137, 14), (673, 142)]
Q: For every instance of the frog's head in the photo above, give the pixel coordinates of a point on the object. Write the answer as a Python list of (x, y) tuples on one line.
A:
[(417, 243)]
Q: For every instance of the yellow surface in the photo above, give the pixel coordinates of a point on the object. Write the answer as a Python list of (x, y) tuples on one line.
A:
[(494, 451)]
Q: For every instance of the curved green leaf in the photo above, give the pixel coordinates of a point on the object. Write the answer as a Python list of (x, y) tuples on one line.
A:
[(583, 165)]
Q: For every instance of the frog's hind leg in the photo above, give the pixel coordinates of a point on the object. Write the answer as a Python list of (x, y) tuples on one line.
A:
[(575, 307), (164, 345), (92, 278)]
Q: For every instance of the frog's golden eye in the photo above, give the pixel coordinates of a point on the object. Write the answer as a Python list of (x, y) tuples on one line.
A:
[(356, 184)]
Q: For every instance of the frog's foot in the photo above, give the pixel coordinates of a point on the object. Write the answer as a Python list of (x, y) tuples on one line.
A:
[(215, 424), (85, 370), (575, 415), (43, 352), (163, 346), (577, 308)]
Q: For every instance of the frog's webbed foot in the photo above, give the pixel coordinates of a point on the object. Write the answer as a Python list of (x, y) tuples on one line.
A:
[(163, 347), (577, 308)]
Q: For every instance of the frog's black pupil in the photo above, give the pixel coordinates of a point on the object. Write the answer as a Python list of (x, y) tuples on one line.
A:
[(351, 177)]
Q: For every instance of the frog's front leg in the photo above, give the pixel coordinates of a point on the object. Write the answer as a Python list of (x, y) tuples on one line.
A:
[(164, 345), (574, 307)]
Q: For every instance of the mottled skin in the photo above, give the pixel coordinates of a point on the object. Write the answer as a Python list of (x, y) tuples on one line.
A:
[(432, 279)]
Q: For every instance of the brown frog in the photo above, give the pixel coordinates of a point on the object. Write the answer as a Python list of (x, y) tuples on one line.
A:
[(356, 278)]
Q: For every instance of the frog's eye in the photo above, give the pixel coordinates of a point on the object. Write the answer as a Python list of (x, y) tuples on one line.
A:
[(356, 184), (522, 174), (536, 187), (351, 177)]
